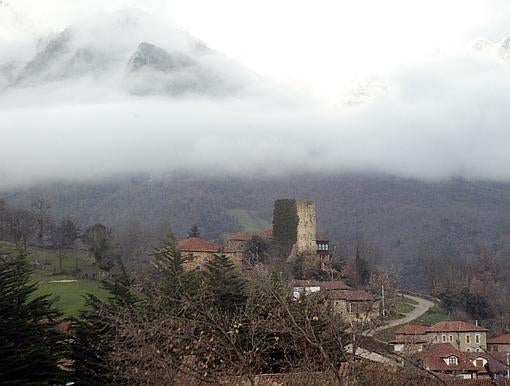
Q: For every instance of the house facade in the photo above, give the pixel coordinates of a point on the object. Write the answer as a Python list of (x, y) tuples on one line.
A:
[(500, 343), (464, 336), (410, 339), (200, 251)]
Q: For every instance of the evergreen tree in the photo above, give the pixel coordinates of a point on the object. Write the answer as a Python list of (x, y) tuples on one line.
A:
[(30, 347), (175, 280), (94, 331), (362, 271), (194, 231), (223, 283)]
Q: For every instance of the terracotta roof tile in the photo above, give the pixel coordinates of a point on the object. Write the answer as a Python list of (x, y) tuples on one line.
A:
[(496, 360), (412, 329), (267, 234), (351, 295), (196, 244), (408, 339), (455, 325), (242, 236), (433, 358), (334, 285), (502, 339)]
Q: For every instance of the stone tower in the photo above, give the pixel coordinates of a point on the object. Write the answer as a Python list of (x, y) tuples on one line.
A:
[(306, 230), (294, 228)]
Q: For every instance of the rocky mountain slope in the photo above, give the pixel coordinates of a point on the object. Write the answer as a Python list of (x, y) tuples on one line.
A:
[(130, 51)]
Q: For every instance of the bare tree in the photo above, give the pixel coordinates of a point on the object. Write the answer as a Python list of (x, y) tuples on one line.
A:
[(41, 208)]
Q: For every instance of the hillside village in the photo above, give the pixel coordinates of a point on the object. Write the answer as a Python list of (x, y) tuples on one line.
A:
[(451, 348), (379, 324)]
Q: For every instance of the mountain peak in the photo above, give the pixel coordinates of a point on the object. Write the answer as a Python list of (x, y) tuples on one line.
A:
[(150, 56)]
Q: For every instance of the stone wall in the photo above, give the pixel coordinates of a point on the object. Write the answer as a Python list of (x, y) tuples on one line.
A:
[(306, 231)]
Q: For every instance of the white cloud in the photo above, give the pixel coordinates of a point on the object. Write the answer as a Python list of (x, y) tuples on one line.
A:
[(440, 117)]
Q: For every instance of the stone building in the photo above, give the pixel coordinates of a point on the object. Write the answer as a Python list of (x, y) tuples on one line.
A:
[(354, 305), (462, 335), (306, 230), (410, 338), (200, 250), (499, 343)]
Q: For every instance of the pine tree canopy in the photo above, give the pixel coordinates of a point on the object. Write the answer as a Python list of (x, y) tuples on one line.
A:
[(223, 282), (30, 347)]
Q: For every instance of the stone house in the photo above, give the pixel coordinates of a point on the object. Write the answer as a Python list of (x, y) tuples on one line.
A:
[(410, 339), (499, 343), (464, 336), (355, 305), (200, 250)]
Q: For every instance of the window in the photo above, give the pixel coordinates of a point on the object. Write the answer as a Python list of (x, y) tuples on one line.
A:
[(452, 360), (477, 338), (479, 363), (450, 338), (468, 338), (444, 338), (468, 349)]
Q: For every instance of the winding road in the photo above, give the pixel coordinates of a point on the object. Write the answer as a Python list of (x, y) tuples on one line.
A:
[(422, 306)]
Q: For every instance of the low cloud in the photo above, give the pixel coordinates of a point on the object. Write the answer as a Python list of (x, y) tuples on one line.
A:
[(446, 116)]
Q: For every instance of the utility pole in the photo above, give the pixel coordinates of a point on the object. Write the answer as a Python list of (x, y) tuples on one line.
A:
[(382, 295), (508, 365)]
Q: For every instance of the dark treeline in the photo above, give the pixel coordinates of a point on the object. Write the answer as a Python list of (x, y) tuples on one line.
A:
[(407, 220)]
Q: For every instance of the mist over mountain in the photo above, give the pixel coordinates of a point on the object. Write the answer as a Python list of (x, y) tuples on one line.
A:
[(121, 49), (124, 93)]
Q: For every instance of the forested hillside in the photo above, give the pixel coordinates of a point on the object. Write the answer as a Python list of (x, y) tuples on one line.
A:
[(406, 220)]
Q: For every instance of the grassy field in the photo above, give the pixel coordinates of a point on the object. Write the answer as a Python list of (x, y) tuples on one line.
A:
[(70, 292), (69, 289), (249, 220)]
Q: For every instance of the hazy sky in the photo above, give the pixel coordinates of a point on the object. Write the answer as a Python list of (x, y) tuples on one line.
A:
[(319, 45), (441, 109)]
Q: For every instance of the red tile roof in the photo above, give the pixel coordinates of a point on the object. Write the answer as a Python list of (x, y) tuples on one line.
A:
[(502, 339), (433, 358), (412, 329), (242, 236), (196, 244), (496, 360), (455, 325), (408, 339), (334, 285), (351, 296), (267, 234)]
